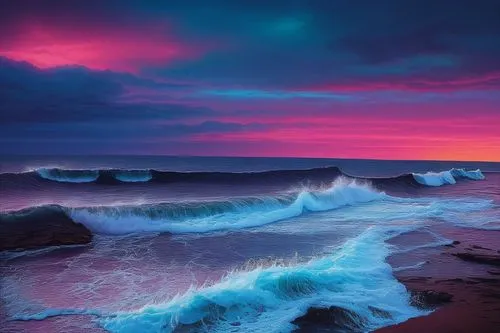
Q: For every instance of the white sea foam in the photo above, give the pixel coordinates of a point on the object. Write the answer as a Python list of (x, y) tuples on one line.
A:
[(267, 299), (446, 177), (354, 276), (470, 174), (231, 216)]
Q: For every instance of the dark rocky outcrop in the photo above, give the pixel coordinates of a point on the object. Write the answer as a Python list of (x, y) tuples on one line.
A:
[(332, 319), (481, 258), (428, 299), (478, 254), (477, 247), (453, 244), (41, 226)]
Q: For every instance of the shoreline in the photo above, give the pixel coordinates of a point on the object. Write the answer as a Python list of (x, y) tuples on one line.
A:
[(468, 270), (460, 281)]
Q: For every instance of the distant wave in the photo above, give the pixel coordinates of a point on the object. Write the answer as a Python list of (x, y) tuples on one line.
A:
[(133, 176), (447, 177), (117, 176), (120, 176), (200, 217), (68, 176)]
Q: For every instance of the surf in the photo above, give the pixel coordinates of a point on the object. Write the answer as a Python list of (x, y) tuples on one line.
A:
[(447, 177), (268, 298), (232, 214), (364, 201)]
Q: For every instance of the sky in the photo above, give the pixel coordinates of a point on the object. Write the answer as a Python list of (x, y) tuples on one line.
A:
[(384, 79)]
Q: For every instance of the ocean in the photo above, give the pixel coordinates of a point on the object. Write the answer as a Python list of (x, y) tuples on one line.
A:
[(218, 244)]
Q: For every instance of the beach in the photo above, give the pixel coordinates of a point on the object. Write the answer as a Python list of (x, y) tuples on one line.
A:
[(474, 283)]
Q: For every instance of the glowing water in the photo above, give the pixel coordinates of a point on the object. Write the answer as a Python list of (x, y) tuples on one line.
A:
[(447, 177), (225, 216)]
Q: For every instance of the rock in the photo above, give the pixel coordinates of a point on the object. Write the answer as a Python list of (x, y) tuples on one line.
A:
[(429, 298), (477, 247), (488, 259), (379, 312), (334, 318), (41, 226)]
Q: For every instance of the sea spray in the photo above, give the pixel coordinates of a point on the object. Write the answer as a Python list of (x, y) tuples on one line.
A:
[(269, 298), (447, 177), (229, 215)]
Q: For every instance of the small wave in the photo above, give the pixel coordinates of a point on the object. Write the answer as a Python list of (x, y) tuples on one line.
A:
[(68, 176), (133, 176), (469, 174), (447, 177)]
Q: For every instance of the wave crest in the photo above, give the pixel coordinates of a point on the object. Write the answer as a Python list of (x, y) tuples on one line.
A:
[(68, 176), (268, 299), (447, 177), (133, 176), (225, 215)]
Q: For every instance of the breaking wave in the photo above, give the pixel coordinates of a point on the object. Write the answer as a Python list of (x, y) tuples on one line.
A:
[(223, 215), (447, 177), (269, 299), (274, 297), (240, 213), (202, 216)]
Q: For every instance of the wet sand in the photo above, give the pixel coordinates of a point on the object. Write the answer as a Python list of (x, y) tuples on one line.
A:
[(470, 272)]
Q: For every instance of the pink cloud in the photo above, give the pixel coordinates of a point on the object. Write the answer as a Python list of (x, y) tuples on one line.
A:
[(124, 48)]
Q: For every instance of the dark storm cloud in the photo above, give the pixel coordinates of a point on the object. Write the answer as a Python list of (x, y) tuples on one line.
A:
[(296, 43), (31, 95), (167, 72), (301, 43)]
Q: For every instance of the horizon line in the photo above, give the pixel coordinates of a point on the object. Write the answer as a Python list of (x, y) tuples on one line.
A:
[(262, 157)]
